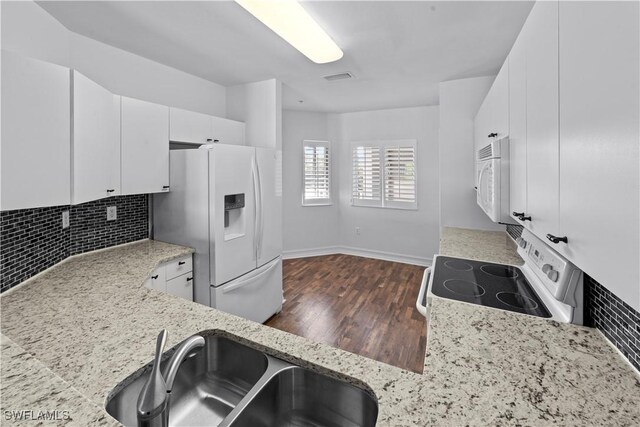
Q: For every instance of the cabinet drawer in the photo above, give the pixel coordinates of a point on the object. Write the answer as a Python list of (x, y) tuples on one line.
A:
[(157, 280), (178, 267), (181, 286)]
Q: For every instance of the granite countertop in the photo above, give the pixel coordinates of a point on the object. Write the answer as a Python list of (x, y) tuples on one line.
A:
[(90, 322), (492, 246)]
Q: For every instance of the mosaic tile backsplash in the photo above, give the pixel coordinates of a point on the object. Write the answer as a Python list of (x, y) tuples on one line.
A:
[(32, 240), (618, 321)]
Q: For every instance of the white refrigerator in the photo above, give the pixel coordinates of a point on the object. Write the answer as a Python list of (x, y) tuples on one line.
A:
[(226, 203)]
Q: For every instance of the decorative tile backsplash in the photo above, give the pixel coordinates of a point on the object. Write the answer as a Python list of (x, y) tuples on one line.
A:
[(31, 240), (91, 230), (616, 319), (603, 310), (34, 240)]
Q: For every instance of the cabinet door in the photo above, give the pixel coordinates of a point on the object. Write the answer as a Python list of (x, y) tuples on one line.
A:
[(189, 126), (493, 115), (157, 280), (542, 119), (96, 141), (499, 111), (36, 137), (228, 131), (599, 134), (145, 147), (518, 125), (481, 126), (181, 286)]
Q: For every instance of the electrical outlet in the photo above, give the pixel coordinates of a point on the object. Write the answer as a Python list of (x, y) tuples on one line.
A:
[(65, 219), (112, 214), (357, 231)]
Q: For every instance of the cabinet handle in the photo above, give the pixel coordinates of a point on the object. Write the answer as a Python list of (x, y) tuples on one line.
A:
[(181, 262), (165, 186), (154, 277), (556, 239), (521, 216), (189, 279), (492, 135), (110, 190)]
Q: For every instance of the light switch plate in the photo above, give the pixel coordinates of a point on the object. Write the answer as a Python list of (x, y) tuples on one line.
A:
[(65, 219), (112, 213)]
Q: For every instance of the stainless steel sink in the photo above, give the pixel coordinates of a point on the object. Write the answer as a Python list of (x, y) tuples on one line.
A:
[(300, 397), (208, 386), (229, 384)]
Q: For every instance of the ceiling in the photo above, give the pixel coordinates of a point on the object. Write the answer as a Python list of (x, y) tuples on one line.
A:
[(398, 51)]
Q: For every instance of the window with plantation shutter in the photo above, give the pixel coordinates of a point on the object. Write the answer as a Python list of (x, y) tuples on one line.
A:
[(316, 165), (400, 176), (384, 174), (367, 181)]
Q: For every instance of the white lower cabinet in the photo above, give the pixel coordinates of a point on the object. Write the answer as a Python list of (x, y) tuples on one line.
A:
[(174, 277), (181, 286)]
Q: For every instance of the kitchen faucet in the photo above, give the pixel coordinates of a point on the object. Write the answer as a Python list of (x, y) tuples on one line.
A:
[(153, 401)]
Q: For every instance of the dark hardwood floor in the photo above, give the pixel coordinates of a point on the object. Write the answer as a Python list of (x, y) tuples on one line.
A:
[(361, 305)]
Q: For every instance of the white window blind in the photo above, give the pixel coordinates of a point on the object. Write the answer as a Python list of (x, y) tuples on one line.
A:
[(400, 177), (316, 166), (367, 188), (384, 174)]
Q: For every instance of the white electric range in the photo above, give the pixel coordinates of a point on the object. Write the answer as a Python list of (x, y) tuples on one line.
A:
[(547, 285)]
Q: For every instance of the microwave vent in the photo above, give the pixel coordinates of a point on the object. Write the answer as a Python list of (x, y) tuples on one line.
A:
[(486, 152)]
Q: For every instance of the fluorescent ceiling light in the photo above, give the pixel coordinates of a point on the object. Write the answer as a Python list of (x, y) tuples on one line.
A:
[(289, 20)]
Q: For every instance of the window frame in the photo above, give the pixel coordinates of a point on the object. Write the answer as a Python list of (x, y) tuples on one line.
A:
[(382, 203), (317, 202)]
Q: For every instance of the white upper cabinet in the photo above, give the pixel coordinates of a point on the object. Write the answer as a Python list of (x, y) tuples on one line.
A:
[(95, 141), (518, 125), (189, 126), (599, 142), (228, 131), (542, 118), (35, 133), (493, 115), (145, 147)]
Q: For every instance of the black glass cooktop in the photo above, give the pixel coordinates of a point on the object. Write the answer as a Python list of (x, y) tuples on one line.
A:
[(483, 283)]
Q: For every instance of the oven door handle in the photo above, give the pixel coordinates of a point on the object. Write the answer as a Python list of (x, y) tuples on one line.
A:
[(421, 303)]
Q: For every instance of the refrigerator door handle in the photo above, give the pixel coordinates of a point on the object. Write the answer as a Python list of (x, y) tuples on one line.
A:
[(232, 287), (260, 214), (258, 207)]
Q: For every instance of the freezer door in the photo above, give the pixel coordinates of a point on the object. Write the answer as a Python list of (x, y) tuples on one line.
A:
[(269, 230), (232, 222), (255, 296)]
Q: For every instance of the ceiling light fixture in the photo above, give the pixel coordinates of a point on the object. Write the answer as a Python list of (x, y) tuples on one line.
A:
[(289, 20)]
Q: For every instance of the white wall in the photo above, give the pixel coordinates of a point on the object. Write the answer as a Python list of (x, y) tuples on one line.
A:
[(29, 30), (259, 105), (413, 234), (459, 103), (403, 235), (306, 228)]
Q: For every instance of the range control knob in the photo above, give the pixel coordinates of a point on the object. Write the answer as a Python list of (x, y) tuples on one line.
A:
[(553, 275), (546, 268), (521, 242)]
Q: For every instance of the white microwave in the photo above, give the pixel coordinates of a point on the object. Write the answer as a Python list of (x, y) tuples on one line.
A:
[(492, 180)]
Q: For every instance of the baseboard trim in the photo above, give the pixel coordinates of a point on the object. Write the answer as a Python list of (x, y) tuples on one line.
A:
[(306, 253), (366, 253)]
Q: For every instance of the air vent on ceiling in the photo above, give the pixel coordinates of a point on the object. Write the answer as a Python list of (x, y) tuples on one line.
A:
[(339, 76)]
